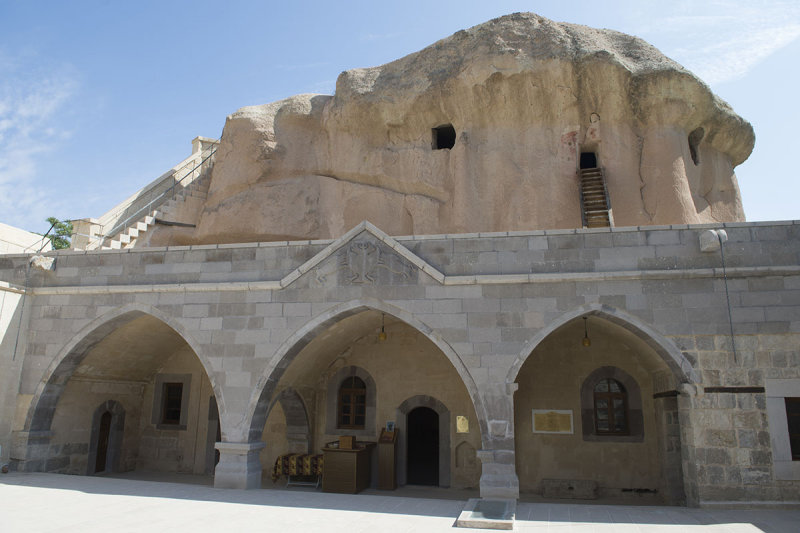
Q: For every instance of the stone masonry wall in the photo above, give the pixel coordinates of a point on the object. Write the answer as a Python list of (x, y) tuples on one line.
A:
[(485, 300)]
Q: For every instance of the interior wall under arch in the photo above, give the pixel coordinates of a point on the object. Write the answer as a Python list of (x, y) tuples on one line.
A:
[(405, 365), (552, 377), (275, 440), (145, 445)]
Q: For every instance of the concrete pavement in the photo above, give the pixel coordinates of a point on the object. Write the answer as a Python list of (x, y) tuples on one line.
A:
[(61, 503)]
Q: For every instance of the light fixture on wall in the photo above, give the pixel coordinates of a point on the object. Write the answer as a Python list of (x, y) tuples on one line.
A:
[(382, 334), (586, 340)]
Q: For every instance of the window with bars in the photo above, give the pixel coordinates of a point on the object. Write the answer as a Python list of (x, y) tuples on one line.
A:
[(352, 405), (610, 408), (793, 421)]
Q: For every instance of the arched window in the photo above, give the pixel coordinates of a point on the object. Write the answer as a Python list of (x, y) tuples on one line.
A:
[(352, 405), (610, 408)]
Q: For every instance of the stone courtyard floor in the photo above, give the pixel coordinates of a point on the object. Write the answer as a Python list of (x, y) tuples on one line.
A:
[(61, 503)]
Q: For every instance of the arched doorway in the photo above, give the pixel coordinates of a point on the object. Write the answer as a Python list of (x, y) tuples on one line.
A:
[(102, 443), (422, 459), (105, 446), (426, 439), (153, 393), (598, 416)]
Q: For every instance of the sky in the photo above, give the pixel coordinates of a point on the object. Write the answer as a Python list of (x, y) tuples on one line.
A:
[(99, 98)]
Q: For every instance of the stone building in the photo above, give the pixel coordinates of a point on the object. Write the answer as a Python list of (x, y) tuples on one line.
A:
[(434, 246)]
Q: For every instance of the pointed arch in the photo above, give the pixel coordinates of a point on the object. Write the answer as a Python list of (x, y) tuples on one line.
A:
[(292, 346), (43, 405), (671, 355)]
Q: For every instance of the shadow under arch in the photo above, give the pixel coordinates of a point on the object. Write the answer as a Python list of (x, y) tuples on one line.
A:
[(298, 428), (288, 350), (666, 349), (48, 392)]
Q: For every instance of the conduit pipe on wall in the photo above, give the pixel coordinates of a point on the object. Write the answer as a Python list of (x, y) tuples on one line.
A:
[(722, 237)]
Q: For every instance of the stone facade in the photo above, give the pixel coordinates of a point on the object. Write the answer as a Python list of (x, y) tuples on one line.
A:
[(648, 361), (711, 346)]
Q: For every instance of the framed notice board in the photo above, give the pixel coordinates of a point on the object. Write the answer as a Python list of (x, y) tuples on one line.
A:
[(556, 421)]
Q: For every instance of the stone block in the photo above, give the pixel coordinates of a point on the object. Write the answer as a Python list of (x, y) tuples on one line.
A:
[(720, 437), (756, 475), (447, 306)]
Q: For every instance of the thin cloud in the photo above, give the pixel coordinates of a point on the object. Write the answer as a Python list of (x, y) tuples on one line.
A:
[(31, 102), (371, 37), (723, 40)]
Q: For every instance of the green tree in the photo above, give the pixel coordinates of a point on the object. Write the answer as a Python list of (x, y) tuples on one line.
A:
[(60, 233)]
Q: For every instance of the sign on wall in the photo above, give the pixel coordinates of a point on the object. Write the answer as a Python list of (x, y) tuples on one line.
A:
[(552, 421)]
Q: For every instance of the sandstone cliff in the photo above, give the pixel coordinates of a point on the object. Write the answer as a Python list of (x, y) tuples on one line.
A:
[(524, 95)]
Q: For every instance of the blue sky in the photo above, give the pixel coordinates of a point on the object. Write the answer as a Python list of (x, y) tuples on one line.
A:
[(98, 98)]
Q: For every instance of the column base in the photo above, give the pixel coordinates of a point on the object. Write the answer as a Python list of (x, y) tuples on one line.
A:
[(499, 479), (239, 466)]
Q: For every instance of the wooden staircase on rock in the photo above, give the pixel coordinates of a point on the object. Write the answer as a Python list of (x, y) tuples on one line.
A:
[(595, 205)]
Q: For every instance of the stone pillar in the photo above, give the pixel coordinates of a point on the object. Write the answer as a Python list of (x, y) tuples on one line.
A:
[(690, 436), (239, 466), (30, 451), (499, 479), (498, 464)]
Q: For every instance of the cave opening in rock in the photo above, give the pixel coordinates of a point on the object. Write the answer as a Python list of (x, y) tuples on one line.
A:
[(588, 160), (443, 137), (694, 141)]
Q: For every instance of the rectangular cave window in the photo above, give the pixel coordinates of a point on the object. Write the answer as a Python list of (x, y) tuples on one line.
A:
[(171, 403), (443, 137), (588, 160), (793, 421)]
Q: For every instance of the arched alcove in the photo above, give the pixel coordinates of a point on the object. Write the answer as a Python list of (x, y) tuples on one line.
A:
[(343, 350), (679, 366), (558, 438), (135, 363), (317, 326)]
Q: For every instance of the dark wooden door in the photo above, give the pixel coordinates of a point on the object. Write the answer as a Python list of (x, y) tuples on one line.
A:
[(102, 442), (423, 447)]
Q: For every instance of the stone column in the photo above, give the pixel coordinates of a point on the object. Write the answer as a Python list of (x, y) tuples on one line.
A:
[(30, 451), (687, 399), (239, 466), (498, 472)]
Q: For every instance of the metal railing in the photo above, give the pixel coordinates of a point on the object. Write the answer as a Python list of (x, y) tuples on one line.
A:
[(155, 202)]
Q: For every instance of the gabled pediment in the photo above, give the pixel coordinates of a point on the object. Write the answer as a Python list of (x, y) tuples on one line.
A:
[(365, 255)]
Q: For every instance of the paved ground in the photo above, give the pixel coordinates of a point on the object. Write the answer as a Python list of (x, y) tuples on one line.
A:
[(59, 503)]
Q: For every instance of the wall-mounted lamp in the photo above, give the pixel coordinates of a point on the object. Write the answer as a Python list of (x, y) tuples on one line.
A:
[(382, 334), (586, 340)]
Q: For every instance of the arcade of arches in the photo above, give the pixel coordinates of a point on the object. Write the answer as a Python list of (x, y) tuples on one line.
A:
[(140, 399)]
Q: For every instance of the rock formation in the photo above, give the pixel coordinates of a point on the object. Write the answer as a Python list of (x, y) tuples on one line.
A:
[(519, 98)]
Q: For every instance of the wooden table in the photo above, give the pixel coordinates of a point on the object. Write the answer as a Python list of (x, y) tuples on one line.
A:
[(347, 471)]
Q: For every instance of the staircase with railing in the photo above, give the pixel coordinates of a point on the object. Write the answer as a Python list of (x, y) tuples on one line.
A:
[(166, 200), (595, 204)]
